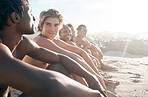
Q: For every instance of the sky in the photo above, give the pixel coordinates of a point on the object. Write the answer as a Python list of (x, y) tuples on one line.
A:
[(99, 15)]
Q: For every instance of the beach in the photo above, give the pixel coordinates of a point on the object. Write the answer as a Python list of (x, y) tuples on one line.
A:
[(131, 73), (130, 57)]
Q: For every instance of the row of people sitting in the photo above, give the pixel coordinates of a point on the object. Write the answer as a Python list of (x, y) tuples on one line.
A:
[(48, 27), (46, 53)]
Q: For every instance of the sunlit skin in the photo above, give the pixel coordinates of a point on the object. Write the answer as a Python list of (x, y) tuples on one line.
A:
[(82, 32), (50, 28), (46, 39), (55, 44), (92, 49), (85, 44), (65, 34), (51, 43), (34, 81)]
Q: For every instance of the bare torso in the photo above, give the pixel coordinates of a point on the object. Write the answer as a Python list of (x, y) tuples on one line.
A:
[(50, 45)]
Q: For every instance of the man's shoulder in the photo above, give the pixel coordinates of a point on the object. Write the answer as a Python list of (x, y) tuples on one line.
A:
[(25, 39), (26, 45), (4, 50), (3, 47), (26, 42)]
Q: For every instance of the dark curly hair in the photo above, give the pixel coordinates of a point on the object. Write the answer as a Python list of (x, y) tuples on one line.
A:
[(7, 7), (52, 13)]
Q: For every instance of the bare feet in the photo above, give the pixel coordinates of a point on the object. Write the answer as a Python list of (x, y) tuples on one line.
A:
[(105, 67), (110, 83), (104, 74)]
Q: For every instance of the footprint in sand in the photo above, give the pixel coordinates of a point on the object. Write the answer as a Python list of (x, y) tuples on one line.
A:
[(136, 81), (135, 75)]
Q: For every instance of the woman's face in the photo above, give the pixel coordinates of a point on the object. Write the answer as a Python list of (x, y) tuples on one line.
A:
[(65, 34), (50, 27)]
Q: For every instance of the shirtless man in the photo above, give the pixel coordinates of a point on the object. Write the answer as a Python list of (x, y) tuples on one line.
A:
[(82, 42), (90, 47), (49, 24), (16, 20)]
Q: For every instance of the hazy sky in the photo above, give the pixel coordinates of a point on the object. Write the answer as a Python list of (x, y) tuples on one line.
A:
[(99, 15)]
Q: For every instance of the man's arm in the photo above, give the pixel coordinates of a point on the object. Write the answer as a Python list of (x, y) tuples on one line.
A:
[(78, 51), (90, 46), (37, 82), (71, 65), (80, 42), (17, 74), (46, 55)]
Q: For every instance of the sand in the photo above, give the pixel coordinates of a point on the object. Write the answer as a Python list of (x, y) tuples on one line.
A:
[(131, 73)]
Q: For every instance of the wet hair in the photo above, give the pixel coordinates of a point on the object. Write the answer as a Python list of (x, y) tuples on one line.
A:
[(7, 7), (52, 13), (80, 26)]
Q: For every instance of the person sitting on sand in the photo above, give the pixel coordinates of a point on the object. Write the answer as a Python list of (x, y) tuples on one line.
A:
[(15, 20), (66, 35), (81, 41), (49, 24)]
